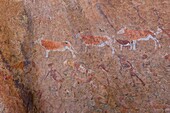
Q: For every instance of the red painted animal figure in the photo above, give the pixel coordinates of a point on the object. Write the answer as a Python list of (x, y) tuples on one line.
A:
[(124, 43), (99, 41), (56, 46), (138, 35)]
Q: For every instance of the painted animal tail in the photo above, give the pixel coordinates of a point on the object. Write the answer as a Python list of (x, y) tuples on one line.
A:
[(38, 40)]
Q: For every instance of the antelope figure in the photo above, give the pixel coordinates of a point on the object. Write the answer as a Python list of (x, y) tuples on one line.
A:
[(99, 41), (138, 35), (56, 46)]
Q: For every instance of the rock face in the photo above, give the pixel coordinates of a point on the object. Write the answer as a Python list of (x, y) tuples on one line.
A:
[(96, 80)]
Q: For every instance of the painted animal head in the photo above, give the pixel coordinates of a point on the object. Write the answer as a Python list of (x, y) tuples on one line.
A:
[(122, 30), (68, 45)]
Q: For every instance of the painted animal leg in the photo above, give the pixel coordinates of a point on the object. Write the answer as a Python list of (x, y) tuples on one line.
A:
[(74, 56), (121, 47), (114, 40), (113, 51), (46, 53), (150, 37), (109, 43), (156, 42), (86, 48), (131, 46), (159, 45), (153, 38), (134, 45), (72, 52)]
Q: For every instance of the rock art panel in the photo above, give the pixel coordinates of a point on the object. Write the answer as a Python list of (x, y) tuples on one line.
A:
[(84, 56)]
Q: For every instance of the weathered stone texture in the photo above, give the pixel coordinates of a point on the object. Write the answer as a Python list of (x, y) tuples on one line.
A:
[(95, 81)]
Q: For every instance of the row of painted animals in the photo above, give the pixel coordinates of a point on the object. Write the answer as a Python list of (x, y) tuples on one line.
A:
[(101, 41)]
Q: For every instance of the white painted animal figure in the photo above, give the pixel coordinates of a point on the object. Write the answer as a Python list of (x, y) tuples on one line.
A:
[(139, 35), (56, 46), (99, 41)]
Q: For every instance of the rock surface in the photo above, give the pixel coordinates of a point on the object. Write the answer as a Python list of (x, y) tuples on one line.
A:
[(95, 81)]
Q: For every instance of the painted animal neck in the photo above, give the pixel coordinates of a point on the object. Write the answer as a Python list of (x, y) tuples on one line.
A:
[(66, 43)]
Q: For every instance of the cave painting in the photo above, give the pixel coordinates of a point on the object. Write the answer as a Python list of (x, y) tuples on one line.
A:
[(56, 46), (99, 41), (139, 35)]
